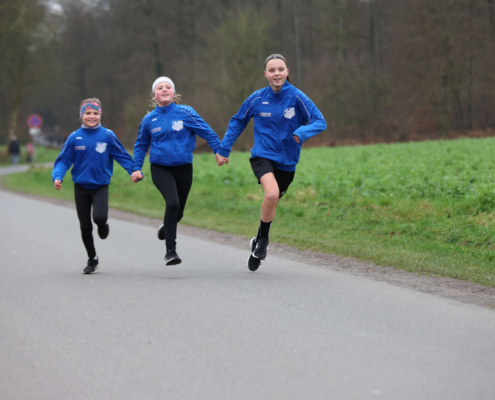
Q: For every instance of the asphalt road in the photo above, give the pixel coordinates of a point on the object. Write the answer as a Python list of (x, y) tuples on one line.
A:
[(209, 328)]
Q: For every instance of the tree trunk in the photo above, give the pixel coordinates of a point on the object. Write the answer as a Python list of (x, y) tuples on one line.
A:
[(18, 94), (491, 14), (374, 36), (298, 47), (149, 11)]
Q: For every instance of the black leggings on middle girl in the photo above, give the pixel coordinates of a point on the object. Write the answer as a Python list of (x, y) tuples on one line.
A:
[(174, 183)]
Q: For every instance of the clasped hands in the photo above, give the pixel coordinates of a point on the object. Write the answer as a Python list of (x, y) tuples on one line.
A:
[(136, 176), (221, 160)]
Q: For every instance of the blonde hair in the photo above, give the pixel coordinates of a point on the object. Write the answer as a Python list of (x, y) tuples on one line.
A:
[(154, 103)]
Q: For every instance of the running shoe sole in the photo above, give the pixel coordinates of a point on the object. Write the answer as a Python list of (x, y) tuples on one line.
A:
[(89, 273), (175, 261)]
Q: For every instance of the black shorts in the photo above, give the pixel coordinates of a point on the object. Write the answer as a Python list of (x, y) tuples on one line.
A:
[(262, 166)]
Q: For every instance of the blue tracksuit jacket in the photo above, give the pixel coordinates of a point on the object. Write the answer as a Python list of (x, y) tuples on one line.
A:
[(277, 116), (92, 151), (171, 131)]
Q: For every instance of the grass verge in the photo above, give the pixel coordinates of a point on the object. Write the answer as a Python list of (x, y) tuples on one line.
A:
[(421, 207)]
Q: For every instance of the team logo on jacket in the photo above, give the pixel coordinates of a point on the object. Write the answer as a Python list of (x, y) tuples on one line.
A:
[(289, 113), (177, 125), (101, 147)]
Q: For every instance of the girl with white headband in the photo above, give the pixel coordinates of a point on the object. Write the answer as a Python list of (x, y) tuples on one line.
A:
[(170, 129), (284, 117), (91, 150)]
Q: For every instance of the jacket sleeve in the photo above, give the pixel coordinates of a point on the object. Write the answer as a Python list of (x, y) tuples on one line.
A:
[(315, 122), (141, 146), (237, 125), (202, 129), (120, 154), (64, 160)]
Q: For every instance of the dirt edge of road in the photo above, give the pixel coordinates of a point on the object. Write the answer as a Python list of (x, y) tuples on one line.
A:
[(462, 291)]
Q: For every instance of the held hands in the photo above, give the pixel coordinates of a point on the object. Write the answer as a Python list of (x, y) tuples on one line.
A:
[(296, 138), (136, 176), (58, 184), (221, 160)]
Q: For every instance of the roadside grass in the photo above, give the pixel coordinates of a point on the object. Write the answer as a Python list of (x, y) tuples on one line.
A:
[(43, 154), (423, 207)]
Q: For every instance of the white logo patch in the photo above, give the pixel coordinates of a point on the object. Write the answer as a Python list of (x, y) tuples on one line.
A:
[(79, 137), (265, 102), (177, 125), (289, 113), (154, 119), (101, 147)]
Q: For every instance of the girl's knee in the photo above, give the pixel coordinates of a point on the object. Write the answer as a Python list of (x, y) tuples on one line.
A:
[(173, 208), (272, 197)]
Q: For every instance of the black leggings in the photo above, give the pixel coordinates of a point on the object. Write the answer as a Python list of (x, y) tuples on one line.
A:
[(85, 198), (174, 183)]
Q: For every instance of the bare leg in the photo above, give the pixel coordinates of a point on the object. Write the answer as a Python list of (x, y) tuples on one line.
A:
[(271, 197)]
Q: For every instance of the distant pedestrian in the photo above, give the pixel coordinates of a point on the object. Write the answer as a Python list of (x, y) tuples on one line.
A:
[(29, 152), (171, 131), (14, 151), (284, 117), (91, 150)]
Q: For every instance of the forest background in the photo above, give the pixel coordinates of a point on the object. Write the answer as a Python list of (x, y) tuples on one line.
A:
[(379, 70)]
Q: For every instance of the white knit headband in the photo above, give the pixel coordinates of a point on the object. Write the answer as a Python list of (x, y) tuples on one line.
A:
[(160, 80)]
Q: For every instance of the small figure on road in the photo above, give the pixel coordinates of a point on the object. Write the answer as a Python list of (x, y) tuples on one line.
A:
[(91, 150), (284, 117), (171, 131), (14, 151)]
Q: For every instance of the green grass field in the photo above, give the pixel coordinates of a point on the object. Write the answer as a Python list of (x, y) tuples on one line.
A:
[(422, 207), (44, 154)]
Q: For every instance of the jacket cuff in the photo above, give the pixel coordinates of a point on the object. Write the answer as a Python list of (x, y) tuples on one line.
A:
[(223, 152), (301, 136)]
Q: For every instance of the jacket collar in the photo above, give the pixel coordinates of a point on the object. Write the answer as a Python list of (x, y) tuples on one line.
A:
[(283, 91), (87, 129), (165, 109)]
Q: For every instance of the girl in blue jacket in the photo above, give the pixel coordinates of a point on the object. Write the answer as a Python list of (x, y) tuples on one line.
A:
[(284, 117), (91, 150), (170, 130)]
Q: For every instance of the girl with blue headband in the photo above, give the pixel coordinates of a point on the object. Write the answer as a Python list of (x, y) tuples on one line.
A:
[(90, 151)]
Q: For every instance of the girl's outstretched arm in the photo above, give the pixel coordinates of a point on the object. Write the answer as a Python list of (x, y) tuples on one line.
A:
[(237, 125)]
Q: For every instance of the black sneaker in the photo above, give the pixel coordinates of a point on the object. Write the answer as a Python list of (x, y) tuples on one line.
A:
[(161, 232), (103, 231), (260, 249), (172, 258), (91, 267), (253, 263)]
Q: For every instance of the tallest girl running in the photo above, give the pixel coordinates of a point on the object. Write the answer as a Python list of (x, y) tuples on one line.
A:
[(284, 117)]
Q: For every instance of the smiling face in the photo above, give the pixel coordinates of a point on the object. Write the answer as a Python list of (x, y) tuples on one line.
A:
[(164, 94), (276, 72), (91, 118)]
